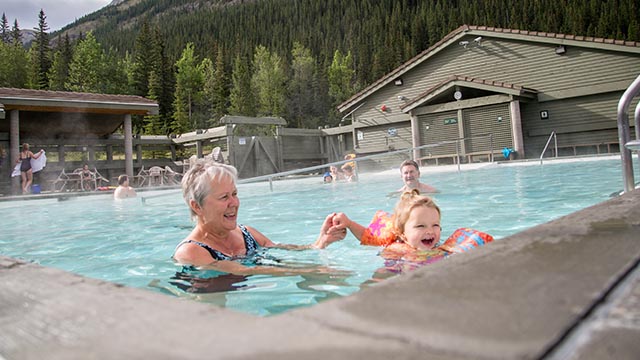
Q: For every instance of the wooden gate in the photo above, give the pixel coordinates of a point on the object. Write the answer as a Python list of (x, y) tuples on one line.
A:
[(255, 156)]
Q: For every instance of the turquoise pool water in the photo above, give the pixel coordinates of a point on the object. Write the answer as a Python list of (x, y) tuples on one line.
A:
[(130, 242)]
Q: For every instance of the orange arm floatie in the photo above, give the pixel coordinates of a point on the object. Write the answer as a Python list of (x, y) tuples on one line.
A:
[(465, 239), (380, 231)]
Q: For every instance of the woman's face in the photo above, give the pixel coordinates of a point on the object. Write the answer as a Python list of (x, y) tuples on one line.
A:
[(220, 207), (422, 229)]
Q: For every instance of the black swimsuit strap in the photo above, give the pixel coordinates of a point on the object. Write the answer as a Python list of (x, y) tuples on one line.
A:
[(250, 245), (215, 254)]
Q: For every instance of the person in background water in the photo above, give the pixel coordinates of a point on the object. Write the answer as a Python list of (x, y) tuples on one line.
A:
[(218, 241), (336, 174), (24, 159), (349, 173), (410, 173), (123, 190), (327, 178)]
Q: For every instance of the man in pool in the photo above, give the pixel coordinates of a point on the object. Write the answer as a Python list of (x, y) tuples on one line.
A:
[(410, 173), (123, 190)]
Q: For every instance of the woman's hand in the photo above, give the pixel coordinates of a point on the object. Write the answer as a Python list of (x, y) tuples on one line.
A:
[(329, 233)]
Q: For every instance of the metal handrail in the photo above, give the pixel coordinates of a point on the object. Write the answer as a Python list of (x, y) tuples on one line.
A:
[(555, 137), (624, 136), (270, 177)]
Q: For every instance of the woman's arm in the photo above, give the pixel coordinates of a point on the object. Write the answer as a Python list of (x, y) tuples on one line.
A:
[(36, 156), (328, 235), (234, 267), (197, 256)]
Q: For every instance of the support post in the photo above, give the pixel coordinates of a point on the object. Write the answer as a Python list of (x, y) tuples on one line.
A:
[(14, 144), (415, 136), (516, 127), (128, 146)]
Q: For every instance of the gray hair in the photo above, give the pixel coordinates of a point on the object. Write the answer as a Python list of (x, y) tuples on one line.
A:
[(196, 182)]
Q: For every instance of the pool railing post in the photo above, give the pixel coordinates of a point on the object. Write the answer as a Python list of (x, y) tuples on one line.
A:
[(271, 184), (458, 154), (624, 136), (491, 146)]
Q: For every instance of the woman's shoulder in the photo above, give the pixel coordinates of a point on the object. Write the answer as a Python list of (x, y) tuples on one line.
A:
[(260, 238), (191, 252)]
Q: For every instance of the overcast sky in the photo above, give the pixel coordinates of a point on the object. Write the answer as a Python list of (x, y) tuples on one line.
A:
[(58, 12)]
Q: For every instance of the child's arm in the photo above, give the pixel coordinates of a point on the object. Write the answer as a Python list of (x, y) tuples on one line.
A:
[(378, 233), (341, 220)]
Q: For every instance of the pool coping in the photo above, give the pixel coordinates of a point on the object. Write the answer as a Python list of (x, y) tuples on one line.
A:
[(551, 290)]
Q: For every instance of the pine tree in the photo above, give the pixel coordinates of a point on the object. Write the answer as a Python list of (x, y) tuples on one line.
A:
[(16, 35), (43, 60), (85, 67), (5, 31), (301, 89), (220, 93), (340, 77), (241, 97), (59, 71), (161, 88), (208, 82), (188, 91), (153, 123), (269, 82), (143, 60), (13, 65)]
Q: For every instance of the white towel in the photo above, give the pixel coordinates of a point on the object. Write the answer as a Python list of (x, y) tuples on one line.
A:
[(36, 165)]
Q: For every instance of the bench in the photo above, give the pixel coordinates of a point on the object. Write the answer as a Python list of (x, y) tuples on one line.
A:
[(575, 147), (453, 157), (489, 155)]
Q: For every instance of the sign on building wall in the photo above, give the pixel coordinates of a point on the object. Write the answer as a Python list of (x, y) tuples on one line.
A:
[(242, 141), (450, 121), (392, 132)]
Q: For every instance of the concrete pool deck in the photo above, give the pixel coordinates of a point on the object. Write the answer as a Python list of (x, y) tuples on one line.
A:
[(565, 289)]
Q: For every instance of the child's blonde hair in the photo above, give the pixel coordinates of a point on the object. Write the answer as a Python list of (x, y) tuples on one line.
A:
[(410, 200)]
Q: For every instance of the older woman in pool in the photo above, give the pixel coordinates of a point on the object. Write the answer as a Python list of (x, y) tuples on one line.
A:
[(209, 190)]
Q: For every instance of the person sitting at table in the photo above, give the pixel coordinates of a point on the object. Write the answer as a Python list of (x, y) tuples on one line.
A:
[(87, 178), (123, 190)]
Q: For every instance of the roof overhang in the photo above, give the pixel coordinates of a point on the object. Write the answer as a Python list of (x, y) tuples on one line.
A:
[(455, 82), (200, 135), (488, 32), (58, 114), (248, 120)]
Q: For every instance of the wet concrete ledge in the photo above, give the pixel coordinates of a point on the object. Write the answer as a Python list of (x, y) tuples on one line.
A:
[(568, 288)]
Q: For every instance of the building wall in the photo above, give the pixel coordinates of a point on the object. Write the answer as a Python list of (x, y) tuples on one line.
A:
[(494, 120), (577, 121), (585, 83), (384, 137)]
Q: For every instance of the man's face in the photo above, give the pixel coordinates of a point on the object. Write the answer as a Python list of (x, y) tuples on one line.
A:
[(410, 176)]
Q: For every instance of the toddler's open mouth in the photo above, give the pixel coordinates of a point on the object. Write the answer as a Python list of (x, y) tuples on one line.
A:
[(428, 242)]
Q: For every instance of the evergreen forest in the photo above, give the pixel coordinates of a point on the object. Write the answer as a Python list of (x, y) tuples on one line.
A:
[(297, 59)]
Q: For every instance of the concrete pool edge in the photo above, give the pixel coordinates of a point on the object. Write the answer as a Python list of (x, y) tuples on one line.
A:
[(519, 297)]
